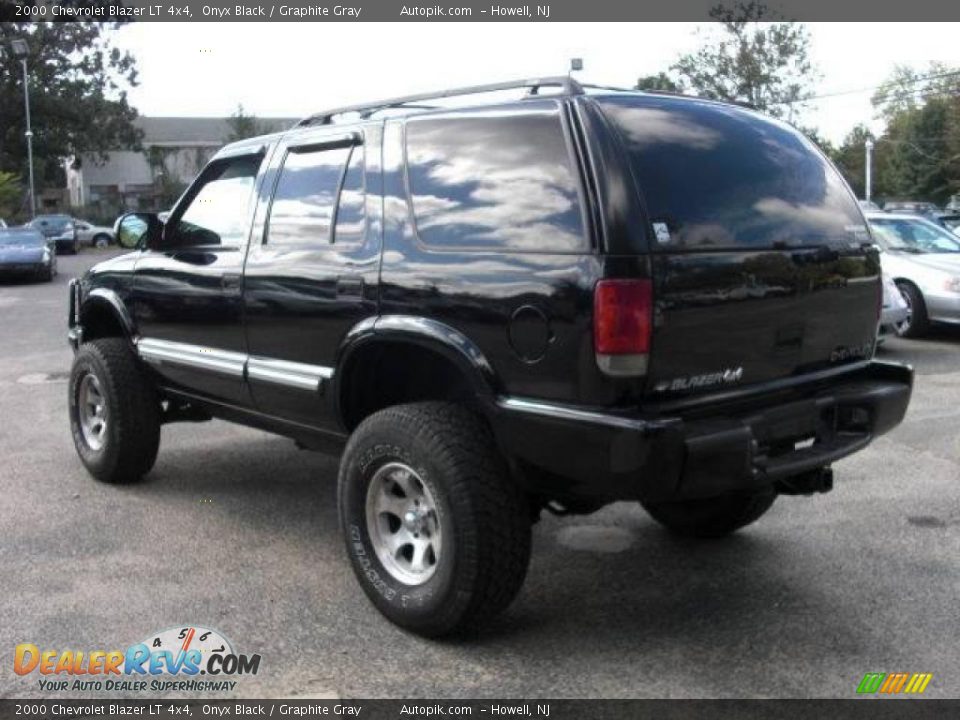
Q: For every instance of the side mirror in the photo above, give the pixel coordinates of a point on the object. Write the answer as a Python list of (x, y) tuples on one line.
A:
[(135, 230)]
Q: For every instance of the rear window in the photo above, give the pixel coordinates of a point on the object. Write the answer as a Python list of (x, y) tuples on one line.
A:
[(495, 179), (716, 176)]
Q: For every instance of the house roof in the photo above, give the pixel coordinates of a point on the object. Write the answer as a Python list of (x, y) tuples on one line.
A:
[(200, 131)]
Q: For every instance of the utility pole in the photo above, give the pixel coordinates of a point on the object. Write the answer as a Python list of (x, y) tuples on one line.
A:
[(868, 170), (21, 50)]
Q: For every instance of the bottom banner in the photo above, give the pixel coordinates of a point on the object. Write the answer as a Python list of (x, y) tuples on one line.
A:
[(495, 709)]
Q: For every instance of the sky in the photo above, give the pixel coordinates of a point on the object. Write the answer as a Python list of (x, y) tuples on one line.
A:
[(294, 69)]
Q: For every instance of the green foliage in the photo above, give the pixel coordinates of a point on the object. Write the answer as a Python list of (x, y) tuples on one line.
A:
[(745, 58), (850, 158), (918, 155), (78, 100), (661, 81), (244, 126), (11, 195)]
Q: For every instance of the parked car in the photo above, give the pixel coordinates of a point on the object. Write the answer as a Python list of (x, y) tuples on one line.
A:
[(25, 251), (550, 304), (951, 221), (912, 207), (895, 310), (93, 235), (924, 261), (59, 228)]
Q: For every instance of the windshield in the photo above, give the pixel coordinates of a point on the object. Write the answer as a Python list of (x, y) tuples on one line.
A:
[(9, 238), (913, 236)]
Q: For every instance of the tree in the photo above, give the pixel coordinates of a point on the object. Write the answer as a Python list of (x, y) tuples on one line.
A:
[(78, 100), (748, 59), (850, 158), (11, 195), (661, 81), (244, 126), (918, 155)]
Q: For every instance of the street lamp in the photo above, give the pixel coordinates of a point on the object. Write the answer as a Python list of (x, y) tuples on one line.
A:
[(868, 170), (20, 50)]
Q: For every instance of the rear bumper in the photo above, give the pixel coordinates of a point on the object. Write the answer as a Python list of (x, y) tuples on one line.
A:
[(734, 445)]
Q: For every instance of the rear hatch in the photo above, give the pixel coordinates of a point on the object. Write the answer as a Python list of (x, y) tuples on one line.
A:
[(761, 259)]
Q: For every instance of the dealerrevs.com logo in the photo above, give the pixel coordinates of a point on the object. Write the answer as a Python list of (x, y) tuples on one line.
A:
[(171, 660)]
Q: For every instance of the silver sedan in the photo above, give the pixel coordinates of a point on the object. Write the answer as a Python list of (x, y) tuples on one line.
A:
[(93, 235), (924, 261)]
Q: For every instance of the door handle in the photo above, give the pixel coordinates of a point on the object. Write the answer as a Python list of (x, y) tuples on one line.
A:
[(230, 283), (350, 287)]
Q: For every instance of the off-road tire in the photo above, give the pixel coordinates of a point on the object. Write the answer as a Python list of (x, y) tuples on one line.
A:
[(919, 320), (483, 516), (132, 435), (711, 517)]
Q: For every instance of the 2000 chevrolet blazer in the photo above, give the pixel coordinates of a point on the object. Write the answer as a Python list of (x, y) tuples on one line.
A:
[(558, 302)]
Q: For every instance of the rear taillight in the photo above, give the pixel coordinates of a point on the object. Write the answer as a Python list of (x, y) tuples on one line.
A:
[(622, 325)]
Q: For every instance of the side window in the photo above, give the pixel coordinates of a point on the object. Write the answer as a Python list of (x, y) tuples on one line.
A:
[(351, 219), (495, 180), (305, 208), (218, 214)]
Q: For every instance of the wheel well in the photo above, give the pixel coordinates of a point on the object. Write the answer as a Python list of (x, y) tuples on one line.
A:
[(99, 321), (391, 373)]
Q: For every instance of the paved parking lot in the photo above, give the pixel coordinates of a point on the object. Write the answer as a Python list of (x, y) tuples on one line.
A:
[(236, 530)]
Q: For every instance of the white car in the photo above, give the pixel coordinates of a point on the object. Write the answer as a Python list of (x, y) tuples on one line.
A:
[(924, 261), (93, 235), (895, 310)]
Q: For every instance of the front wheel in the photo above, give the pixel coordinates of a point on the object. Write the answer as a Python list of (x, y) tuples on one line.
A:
[(437, 532), (114, 412), (101, 241), (711, 517)]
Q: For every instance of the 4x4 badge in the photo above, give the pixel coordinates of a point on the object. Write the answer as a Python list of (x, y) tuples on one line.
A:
[(694, 382)]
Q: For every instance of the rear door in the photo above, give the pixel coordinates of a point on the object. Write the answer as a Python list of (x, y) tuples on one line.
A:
[(312, 270), (761, 257)]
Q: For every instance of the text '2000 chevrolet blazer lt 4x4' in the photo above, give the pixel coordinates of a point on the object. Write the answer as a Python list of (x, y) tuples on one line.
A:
[(574, 298)]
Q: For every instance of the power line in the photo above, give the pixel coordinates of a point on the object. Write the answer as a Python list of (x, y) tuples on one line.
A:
[(839, 93)]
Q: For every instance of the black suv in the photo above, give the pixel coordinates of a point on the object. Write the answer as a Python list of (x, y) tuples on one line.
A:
[(575, 298)]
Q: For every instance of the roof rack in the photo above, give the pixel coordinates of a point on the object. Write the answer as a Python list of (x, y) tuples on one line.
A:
[(568, 85)]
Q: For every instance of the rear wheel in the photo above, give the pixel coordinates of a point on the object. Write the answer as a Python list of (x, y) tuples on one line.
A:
[(711, 517), (114, 412), (437, 532), (916, 323)]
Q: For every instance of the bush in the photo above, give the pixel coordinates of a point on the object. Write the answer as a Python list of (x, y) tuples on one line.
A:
[(11, 196)]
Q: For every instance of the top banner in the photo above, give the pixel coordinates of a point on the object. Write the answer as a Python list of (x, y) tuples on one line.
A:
[(854, 11)]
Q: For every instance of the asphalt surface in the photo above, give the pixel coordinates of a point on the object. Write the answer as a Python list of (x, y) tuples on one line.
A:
[(235, 529)]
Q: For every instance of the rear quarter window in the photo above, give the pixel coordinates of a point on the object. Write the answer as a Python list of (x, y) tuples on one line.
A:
[(714, 176), (497, 179)]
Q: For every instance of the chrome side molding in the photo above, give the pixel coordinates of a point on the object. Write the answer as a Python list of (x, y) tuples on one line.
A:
[(160, 352), (233, 364), (291, 374)]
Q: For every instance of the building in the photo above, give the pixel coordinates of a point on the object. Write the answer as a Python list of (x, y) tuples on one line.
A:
[(174, 150)]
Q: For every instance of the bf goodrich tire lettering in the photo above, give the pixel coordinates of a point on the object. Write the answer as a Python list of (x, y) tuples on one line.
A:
[(481, 514)]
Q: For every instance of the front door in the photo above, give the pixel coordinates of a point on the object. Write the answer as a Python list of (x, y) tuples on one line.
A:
[(188, 301)]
